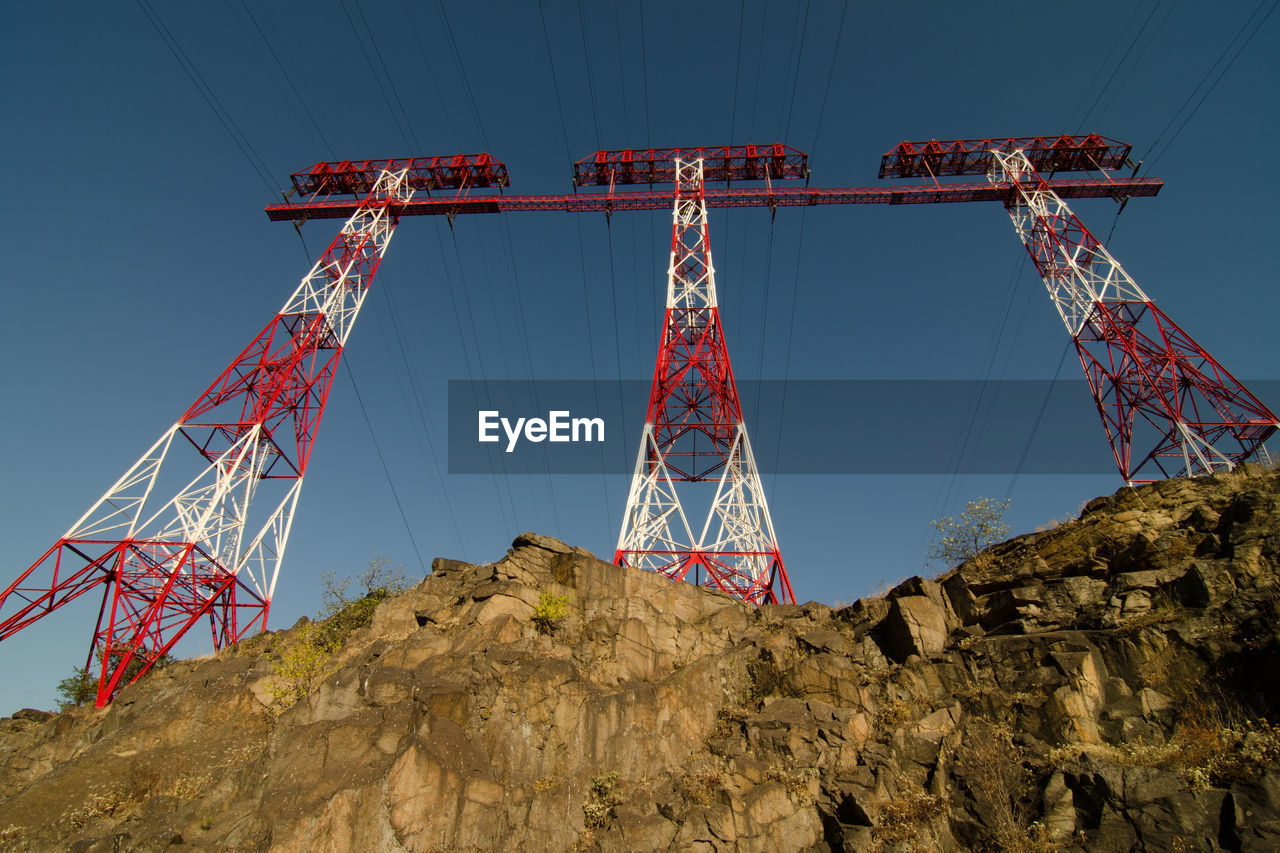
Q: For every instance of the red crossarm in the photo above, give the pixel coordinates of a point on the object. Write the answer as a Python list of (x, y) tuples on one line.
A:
[(774, 162), (753, 197), (1048, 154), (357, 177)]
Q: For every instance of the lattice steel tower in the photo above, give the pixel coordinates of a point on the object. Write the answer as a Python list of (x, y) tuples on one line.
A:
[(212, 551), (1159, 393), (694, 431)]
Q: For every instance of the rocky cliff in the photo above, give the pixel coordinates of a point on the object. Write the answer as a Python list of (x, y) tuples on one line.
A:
[(1103, 685)]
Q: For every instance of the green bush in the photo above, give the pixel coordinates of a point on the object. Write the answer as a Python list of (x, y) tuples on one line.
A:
[(302, 666), (82, 685), (550, 612), (344, 613)]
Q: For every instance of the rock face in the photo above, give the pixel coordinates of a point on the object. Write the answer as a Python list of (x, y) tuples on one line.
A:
[(1104, 685)]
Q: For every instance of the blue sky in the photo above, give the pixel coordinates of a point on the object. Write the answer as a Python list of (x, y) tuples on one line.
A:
[(140, 261)]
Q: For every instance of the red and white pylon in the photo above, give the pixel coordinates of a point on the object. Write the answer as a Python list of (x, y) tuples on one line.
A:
[(1153, 384), (694, 432), (211, 551)]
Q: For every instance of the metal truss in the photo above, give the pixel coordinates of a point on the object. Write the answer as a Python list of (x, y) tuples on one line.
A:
[(657, 165), (1158, 391), (212, 551), (771, 196), (1064, 153), (694, 432)]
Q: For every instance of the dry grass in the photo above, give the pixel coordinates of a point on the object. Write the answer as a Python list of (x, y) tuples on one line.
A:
[(797, 782), (892, 715), (701, 787), (1213, 744), (906, 823), (1003, 789), (601, 801)]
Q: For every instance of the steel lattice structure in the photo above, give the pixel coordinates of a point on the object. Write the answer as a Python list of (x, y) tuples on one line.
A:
[(694, 432), (210, 551), (1156, 389), (1154, 385)]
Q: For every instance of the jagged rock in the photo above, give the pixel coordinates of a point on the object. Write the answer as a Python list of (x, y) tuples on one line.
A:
[(1098, 686), (916, 625)]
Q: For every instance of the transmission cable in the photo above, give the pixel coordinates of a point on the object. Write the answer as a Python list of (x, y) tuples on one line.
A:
[(586, 300), (462, 71), (220, 112), (319, 136), (297, 72), (391, 80), (1216, 81), (426, 63), (406, 134), (644, 70), (346, 362), (1035, 426), (591, 85), (425, 433), (1124, 81), (795, 290), (1120, 64), (795, 82), (315, 140), (1102, 65)]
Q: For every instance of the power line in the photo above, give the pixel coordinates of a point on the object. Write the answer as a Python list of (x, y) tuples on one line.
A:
[(373, 71), (319, 136), (391, 80), (426, 63), (1216, 81), (831, 70), (382, 460), (462, 71), (1106, 60), (297, 72), (220, 112), (797, 56), (1035, 427), (423, 435), (315, 140), (591, 85), (737, 71), (1137, 62), (1120, 64)]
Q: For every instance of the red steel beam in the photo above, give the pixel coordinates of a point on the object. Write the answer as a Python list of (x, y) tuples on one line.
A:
[(1048, 154), (753, 197), (454, 171), (774, 162)]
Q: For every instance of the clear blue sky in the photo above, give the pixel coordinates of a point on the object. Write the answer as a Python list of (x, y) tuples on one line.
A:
[(139, 261)]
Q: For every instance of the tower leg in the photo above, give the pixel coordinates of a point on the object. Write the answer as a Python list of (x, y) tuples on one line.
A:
[(694, 432), (1169, 409), (213, 550)]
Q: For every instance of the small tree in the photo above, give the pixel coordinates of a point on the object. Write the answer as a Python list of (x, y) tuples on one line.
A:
[(76, 689), (978, 526), (82, 685), (377, 581), (343, 612)]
